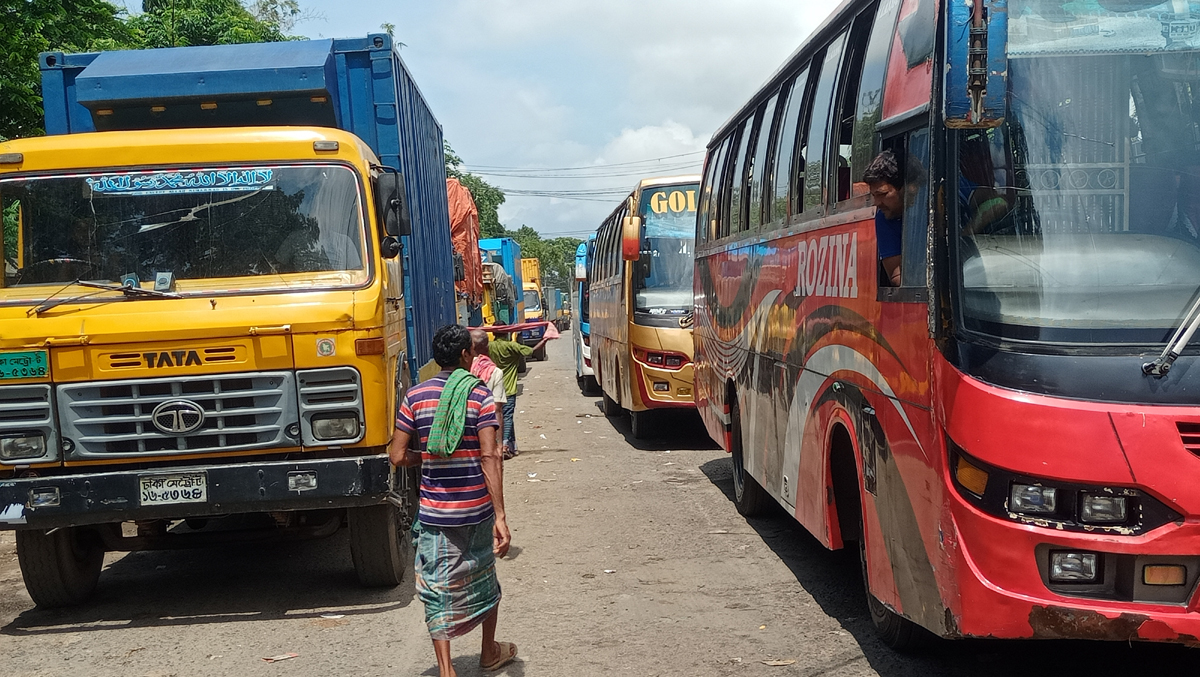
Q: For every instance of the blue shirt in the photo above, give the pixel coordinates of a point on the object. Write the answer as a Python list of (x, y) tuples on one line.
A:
[(887, 235)]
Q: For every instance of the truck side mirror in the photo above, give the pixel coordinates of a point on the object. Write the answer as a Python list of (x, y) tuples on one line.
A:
[(580, 272), (631, 238), (393, 205)]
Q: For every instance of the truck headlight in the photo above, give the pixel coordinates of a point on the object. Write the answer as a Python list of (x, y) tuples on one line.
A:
[(26, 446), (335, 427), (1032, 499)]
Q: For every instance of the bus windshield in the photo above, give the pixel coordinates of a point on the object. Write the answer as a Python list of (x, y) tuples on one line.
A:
[(287, 226), (1079, 217), (663, 278)]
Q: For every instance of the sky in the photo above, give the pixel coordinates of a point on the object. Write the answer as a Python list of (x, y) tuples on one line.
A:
[(579, 88)]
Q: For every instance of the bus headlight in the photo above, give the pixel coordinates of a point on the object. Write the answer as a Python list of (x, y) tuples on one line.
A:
[(1029, 499), (1074, 567), (1103, 509)]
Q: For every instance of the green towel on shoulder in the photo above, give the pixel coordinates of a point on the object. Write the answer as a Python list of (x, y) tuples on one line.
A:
[(451, 416)]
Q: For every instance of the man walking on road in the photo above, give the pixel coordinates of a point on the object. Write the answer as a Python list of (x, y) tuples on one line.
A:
[(447, 425), (487, 371), (507, 355)]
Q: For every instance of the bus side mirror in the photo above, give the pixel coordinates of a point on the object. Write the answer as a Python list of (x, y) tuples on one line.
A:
[(631, 238), (392, 205), (976, 82)]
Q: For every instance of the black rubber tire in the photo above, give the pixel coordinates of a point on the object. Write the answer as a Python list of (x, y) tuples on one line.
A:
[(611, 408), (896, 631), (640, 424), (748, 495), (60, 568), (379, 545), (590, 387), (521, 366), (540, 354)]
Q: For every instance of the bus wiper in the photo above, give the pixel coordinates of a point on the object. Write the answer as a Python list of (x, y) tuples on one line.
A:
[(1183, 335), (129, 291)]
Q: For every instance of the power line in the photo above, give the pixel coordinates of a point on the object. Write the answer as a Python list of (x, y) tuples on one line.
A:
[(474, 168)]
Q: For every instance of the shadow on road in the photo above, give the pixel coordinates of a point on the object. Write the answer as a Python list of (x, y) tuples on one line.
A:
[(301, 579), (834, 581), (670, 429)]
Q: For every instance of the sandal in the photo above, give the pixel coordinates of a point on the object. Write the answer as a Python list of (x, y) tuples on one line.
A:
[(508, 652)]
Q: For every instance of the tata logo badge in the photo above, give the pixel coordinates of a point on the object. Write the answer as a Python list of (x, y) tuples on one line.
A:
[(177, 417), (326, 347)]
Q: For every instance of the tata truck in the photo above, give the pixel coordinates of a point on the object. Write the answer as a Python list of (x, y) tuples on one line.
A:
[(222, 268), (535, 306)]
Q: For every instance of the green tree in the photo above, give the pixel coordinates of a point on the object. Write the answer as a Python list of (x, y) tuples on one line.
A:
[(183, 23), (28, 27), (488, 198)]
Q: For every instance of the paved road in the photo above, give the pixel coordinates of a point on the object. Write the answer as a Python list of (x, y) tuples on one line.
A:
[(628, 558)]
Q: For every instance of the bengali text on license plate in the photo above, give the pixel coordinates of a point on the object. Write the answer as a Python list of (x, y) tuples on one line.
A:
[(24, 364), (167, 489)]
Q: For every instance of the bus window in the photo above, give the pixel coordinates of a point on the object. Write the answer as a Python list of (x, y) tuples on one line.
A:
[(812, 195), (785, 145), (736, 178), (742, 185), (712, 190), (847, 96), (870, 91), (913, 268), (758, 171)]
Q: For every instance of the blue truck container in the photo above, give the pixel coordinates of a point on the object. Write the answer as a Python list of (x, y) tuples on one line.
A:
[(506, 252), (359, 85)]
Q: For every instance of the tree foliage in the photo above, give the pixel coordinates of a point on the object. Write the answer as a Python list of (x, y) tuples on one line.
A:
[(488, 198), (28, 27), (556, 256)]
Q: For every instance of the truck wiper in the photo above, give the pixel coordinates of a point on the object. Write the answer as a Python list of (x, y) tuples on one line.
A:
[(1183, 335), (129, 291)]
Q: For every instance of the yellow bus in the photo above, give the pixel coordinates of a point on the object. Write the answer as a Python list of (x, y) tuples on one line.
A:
[(641, 301)]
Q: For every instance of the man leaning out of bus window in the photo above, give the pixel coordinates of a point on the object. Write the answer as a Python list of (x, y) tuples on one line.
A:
[(883, 177)]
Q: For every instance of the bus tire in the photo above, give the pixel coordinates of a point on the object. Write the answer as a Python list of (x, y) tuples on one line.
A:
[(379, 545), (748, 495), (611, 408), (60, 567), (895, 630), (639, 424), (588, 386)]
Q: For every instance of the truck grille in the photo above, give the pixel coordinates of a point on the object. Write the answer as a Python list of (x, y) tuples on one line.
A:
[(241, 411), (27, 409)]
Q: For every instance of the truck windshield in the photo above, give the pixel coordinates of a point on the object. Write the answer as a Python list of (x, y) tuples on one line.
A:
[(1079, 218), (533, 301), (663, 277), (285, 226)]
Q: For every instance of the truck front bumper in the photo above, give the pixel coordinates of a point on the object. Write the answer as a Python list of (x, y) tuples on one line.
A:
[(105, 497)]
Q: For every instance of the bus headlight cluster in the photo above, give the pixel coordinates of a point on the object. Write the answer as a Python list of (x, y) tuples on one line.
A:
[(1062, 505)]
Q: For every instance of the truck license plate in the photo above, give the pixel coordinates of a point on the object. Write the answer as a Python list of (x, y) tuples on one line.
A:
[(191, 487), (24, 364)]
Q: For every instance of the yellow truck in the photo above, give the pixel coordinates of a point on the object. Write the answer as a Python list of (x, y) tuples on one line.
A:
[(210, 321), (535, 308)]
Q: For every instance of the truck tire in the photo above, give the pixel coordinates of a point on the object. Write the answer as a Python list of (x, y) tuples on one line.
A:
[(60, 567), (748, 495), (379, 545), (540, 354), (521, 367)]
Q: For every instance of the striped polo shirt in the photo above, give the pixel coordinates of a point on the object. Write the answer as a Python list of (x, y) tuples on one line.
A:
[(453, 492)]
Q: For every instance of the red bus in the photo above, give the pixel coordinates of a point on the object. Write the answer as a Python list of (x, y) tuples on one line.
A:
[(1010, 436)]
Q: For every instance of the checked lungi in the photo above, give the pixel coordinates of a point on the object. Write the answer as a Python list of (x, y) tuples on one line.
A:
[(455, 576)]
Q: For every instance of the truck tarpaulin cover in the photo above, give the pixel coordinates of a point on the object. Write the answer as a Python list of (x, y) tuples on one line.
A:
[(464, 232)]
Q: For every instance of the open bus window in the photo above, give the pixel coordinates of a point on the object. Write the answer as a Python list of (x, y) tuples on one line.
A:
[(905, 158), (1079, 218)]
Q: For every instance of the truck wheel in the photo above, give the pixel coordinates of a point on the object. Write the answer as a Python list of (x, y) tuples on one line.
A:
[(540, 354), (639, 424), (749, 496), (60, 567), (379, 545), (521, 367)]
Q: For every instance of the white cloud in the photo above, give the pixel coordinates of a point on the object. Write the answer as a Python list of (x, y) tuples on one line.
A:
[(559, 83)]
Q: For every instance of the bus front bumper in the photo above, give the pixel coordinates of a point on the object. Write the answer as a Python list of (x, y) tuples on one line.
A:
[(105, 497), (1006, 591)]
